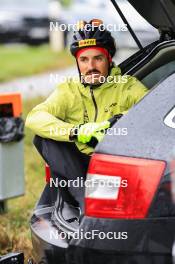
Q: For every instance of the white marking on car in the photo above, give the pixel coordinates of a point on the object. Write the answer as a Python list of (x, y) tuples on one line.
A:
[(169, 119)]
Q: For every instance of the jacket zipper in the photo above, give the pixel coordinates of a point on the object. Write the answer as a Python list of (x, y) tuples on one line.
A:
[(95, 104)]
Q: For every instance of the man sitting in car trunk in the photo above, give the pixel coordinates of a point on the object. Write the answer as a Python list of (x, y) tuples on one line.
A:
[(77, 114)]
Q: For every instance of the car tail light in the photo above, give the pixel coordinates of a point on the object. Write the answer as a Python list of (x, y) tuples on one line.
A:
[(121, 187), (47, 173), (173, 176)]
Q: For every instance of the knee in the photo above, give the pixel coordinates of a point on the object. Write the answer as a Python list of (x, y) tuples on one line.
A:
[(40, 144)]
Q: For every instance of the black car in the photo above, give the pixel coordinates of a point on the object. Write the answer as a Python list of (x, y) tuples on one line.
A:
[(133, 222), (24, 21)]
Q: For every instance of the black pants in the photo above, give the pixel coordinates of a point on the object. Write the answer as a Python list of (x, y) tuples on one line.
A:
[(66, 163)]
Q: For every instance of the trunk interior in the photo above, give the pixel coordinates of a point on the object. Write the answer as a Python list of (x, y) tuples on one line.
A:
[(156, 66)]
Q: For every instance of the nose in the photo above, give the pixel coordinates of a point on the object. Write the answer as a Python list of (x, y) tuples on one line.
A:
[(91, 64)]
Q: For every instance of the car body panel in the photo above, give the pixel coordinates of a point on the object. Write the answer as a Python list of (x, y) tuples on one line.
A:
[(143, 236), (89, 256), (145, 135)]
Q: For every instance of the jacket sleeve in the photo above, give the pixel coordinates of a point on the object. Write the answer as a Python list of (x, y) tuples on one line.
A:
[(46, 119), (135, 91)]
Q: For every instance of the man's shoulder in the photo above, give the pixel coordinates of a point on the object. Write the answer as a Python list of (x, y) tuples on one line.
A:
[(67, 84), (68, 87)]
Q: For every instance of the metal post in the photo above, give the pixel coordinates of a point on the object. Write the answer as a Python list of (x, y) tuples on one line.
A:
[(56, 35)]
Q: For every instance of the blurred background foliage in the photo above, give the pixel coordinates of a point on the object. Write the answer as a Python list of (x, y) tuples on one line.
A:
[(65, 3)]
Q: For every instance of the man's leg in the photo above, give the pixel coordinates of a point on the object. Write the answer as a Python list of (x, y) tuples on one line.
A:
[(67, 164)]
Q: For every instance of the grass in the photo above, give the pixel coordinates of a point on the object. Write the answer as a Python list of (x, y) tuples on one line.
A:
[(18, 61), (14, 225)]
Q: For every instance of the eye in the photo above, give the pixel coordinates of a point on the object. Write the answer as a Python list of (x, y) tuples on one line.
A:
[(83, 59), (99, 58)]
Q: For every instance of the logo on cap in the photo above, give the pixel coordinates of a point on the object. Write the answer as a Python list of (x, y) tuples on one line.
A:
[(87, 42)]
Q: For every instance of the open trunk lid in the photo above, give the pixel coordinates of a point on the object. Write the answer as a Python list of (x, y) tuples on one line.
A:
[(159, 13)]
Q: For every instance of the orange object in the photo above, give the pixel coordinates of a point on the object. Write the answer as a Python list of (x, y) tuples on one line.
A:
[(14, 100)]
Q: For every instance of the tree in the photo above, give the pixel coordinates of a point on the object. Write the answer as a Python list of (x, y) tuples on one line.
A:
[(65, 3)]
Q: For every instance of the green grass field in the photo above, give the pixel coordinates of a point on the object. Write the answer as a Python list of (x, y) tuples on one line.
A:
[(18, 61), (14, 225)]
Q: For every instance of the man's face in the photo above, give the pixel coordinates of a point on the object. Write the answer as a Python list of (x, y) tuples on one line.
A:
[(93, 66)]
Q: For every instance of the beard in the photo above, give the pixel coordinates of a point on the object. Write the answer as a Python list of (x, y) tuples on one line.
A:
[(93, 78)]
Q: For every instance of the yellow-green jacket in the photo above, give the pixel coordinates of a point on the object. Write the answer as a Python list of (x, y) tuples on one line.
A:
[(72, 103)]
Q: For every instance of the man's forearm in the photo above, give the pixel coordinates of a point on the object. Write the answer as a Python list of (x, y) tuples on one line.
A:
[(46, 125)]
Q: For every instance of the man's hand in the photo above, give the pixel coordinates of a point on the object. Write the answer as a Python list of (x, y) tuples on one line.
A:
[(96, 138), (85, 132), (89, 130)]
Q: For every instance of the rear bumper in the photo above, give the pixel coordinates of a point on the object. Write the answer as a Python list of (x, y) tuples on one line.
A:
[(148, 241), (153, 236), (86, 256)]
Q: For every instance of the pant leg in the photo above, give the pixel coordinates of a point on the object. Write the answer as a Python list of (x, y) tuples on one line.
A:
[(66, 163)]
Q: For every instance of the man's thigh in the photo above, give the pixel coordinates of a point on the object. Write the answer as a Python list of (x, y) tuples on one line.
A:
[(67, 164), (64, 158)]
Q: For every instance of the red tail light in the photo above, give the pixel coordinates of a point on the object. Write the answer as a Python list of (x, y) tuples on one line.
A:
[(133, 183), (47, 173), (173, 176)]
